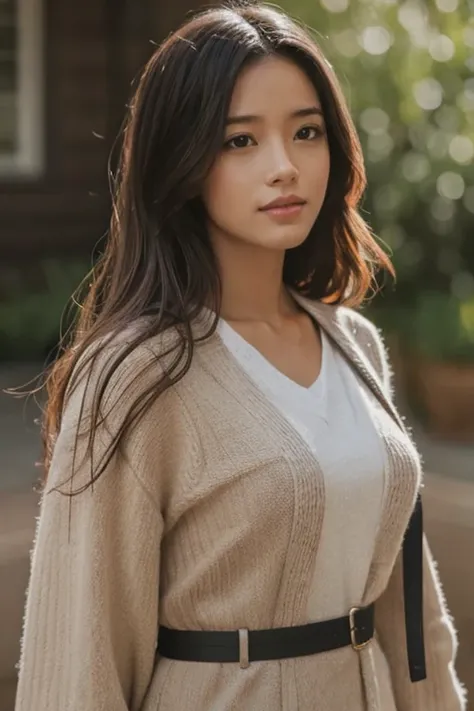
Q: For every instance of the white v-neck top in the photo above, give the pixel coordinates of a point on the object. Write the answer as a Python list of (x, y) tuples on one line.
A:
[(335, 418)]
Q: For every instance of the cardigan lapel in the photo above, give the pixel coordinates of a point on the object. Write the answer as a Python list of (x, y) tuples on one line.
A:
[(329, 318)]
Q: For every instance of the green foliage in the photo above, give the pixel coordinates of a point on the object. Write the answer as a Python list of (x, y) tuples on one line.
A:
[(30, 320), (439, 326), (443, 328), (407, 69)]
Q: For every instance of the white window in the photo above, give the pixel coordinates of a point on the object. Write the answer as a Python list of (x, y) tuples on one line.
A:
[(21, 88)]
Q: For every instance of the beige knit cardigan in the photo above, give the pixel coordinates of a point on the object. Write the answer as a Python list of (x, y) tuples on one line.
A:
[(210, 519)]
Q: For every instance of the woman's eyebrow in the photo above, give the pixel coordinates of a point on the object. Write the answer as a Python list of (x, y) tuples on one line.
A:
[(254, 118)]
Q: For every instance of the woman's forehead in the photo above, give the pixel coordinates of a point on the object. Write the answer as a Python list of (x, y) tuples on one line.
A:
[(273, 84)]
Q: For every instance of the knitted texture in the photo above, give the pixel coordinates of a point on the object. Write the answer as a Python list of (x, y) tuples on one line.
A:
[(210, 518)]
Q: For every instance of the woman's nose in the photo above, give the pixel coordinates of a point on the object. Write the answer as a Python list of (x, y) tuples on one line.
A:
[(282, 168)]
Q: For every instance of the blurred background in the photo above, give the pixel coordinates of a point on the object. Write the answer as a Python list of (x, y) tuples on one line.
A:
[(407, 68)]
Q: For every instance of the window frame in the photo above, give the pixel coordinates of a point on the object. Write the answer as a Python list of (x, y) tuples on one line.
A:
[(28, 161)]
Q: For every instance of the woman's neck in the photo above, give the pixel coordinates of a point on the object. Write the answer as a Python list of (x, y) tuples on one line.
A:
[(252, 285)]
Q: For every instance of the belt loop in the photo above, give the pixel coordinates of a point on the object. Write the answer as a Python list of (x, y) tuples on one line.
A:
[(244, 648)]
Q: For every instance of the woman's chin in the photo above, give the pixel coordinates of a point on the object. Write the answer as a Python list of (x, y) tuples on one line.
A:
[(289, 239)]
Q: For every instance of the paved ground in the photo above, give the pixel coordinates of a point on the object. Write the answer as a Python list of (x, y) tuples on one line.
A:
[(449, 517)]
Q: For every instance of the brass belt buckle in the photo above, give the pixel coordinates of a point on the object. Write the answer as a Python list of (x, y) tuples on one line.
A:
[(353, 629)]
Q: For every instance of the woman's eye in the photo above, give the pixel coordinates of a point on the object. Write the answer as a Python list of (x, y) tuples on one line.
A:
[(308, 133), (242, 141)]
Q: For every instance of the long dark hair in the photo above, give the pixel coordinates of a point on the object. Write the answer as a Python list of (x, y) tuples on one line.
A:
[(158, 259)]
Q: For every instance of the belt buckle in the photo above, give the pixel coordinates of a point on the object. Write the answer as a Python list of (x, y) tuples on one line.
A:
[(353, 628)]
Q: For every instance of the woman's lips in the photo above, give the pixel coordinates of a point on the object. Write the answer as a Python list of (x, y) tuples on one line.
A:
[(281, 211)]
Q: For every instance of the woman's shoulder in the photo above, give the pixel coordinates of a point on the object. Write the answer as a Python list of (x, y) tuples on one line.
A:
[(357, 324), (121, 366), (339, 317), (369, 339)]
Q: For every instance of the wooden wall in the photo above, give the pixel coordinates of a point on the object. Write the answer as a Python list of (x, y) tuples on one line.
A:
[(93, 50)]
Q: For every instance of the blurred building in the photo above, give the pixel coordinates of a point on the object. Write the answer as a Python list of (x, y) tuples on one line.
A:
[(65, 76)]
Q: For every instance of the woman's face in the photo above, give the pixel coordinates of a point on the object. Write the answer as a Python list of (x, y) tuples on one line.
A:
[(275, 147)]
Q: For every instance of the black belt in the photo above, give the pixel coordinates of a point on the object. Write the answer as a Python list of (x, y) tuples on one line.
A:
[(355, 629)]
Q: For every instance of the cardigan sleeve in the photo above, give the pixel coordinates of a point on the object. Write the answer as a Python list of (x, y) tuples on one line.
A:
[(441, 690), (91, 620)]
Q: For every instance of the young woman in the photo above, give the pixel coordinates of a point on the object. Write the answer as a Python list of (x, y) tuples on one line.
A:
[(228, 482)]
